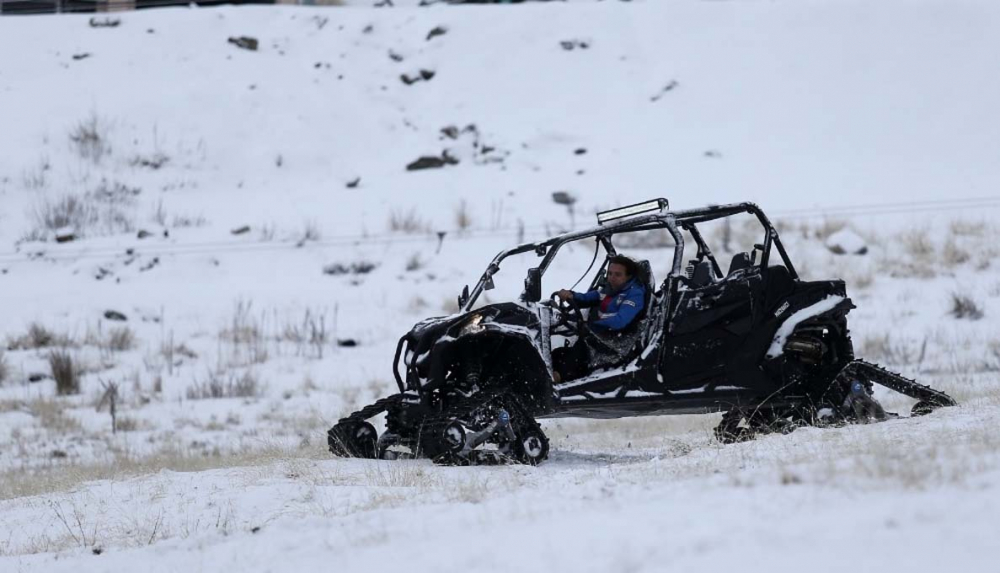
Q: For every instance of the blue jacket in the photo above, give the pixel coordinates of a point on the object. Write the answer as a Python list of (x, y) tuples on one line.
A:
[(623, 308)]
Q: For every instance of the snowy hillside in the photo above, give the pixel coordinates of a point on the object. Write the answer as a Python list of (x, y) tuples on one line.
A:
[(259, 201)]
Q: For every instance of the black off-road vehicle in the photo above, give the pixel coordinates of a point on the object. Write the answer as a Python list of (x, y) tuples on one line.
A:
[(768, 349)]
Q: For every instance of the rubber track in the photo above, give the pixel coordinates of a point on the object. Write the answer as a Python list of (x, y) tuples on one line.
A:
[(334, 435), (874, 373), (433, 426)]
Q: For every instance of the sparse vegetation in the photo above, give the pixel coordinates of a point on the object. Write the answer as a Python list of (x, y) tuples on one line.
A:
[(230, 386), (121, 338), (414, 263), (4, 368), (962, 306), (38, 336), (51, 415), (65, 372), (408, 222), (89, 138), (361, 267), (463, 218), (310, 232)]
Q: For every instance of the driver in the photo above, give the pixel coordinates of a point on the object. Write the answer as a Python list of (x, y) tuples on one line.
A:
[(618, 305)]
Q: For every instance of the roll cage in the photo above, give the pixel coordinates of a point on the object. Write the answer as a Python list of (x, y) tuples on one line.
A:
[(673, 221)]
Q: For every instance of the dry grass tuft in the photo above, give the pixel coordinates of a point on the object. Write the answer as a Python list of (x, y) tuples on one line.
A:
[(408, 222), (51, 414), (90, 138), (952, 254), (121, 338), (962, 306), (232, 386), (463, 218), (38, 336), (65, 372), (4, 368)]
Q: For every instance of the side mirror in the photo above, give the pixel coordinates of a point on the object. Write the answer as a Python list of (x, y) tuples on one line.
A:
[(488, 285), (533, 285), (464, 297)]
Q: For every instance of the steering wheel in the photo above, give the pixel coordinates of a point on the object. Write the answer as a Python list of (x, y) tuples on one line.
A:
[(568, 308)]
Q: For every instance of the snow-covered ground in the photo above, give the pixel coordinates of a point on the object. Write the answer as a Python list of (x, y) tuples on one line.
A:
[(853, 124)]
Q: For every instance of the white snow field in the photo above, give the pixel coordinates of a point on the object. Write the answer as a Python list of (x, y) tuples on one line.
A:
[(251, 215)]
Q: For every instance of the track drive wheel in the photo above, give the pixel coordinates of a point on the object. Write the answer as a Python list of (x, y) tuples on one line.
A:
[(353, 440), (531, 447)]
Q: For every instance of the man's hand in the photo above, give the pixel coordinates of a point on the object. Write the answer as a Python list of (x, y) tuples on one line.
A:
[(565, 295)]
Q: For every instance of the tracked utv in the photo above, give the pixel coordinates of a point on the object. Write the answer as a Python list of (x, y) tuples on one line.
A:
[(753, 340)]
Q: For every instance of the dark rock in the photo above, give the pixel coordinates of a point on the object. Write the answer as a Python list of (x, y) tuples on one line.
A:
[(563, 198), (115, 315), (36, 377), (451, 132), (101, 273), (65, 236), (353, 183), (82, 56), (356, 268), (105, 23), (241, 230), (569, 45), (580, 151), (368, 29), (255, 529), (58, 454), (347, 342), (143, 233), (432, 162), (150, 264), (97, 550), (437, 31), (395, 57), (424, 75), (245, 42)]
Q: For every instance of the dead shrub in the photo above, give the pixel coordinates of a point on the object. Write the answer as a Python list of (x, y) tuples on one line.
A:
[(952, 254), (962, 306), (310, 232), (4, 368), (128, 424), (38, 336), (233, 386), (90, 138), (463, 219), (81, 214), (121, 339), (966, 228), (407, 222), (917, 243), (67, 211), (65, 372), (414, 263)]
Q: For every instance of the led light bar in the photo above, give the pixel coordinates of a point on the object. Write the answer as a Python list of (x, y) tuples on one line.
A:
[(637, 209)]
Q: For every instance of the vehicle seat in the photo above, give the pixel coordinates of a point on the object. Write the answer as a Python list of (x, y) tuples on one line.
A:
[(701, 274), (740, 261), (644, 275)]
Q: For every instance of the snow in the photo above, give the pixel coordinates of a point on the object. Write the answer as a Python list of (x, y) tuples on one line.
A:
[(846, 241), (876, 119)]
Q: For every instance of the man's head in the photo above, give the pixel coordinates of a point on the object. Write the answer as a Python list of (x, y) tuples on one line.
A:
[(621, 269)]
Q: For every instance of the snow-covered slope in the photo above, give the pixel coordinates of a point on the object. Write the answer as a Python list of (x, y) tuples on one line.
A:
[(876, 120)]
